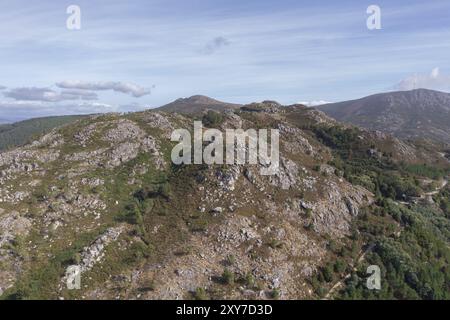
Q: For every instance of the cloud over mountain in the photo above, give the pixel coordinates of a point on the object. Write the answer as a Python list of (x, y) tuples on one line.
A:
[(433, 81), (123, 87), (314, 103)]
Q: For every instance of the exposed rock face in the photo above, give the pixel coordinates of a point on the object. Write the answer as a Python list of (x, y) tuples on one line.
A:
[(83, 137), (227, 178), (333, 214), (265, 106), (287, 175), (11, 226), (294, 141), (160, 121), (123, 153), (88, 157), (125, 130), (150, 145), (95, 252)]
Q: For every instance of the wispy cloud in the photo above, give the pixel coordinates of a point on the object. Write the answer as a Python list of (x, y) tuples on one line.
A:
[(48, 95), (2, 87), (19, 110), (123, 87), (434, 81), (215, 44)]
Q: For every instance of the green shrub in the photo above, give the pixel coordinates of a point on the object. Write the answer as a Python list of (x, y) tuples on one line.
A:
[(249, 280), (275, 244), (340, 266), (212, 118), (200, 294), (228, 277), (230, 260), (275, 294)]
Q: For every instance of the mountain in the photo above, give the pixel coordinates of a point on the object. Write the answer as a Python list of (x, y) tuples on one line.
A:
[(197, 104), (102, 194), (19, 133), (413, 114)]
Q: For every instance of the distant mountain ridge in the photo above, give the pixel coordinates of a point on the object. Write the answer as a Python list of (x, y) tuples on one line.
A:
[(419, 113), (197, 104), (19, 133)]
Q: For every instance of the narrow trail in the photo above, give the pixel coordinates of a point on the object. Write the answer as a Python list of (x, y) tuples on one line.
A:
[(442, 186), (339, 284), (362, 256)]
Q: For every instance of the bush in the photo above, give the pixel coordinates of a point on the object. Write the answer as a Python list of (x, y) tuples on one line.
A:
[(275, 294), (339, 266), (275, 244), (212, 118), (228, 277), (328, 273), (249, 280), (200, 294)]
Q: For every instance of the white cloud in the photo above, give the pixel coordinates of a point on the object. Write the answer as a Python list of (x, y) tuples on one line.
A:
[(314, 103), (19, 110), (123, 87), (82, 94), (48, 95), (434, 81)]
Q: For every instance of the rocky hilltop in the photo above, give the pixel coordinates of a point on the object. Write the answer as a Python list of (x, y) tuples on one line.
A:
[(102, 194), (196, 105)]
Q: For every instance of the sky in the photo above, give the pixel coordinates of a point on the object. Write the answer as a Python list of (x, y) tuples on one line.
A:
[(137, 54)]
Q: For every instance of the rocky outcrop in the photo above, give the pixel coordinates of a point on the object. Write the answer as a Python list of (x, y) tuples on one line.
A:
[(125, 130), (12, 225), (287, 175), (95, 252), (333, 214)]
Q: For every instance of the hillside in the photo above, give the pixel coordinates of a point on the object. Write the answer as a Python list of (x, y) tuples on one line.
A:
[(197, 105), (102, 193), (19, 133), (413, 114)]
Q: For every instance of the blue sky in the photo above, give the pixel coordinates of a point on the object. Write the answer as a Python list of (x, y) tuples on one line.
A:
[(130, 55)]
